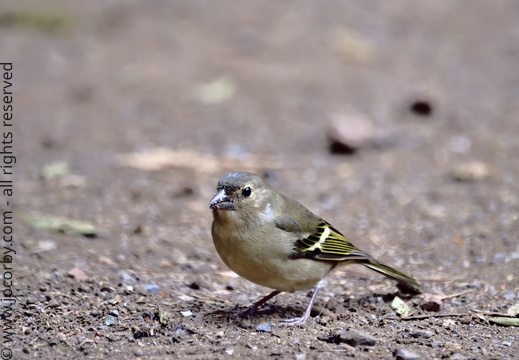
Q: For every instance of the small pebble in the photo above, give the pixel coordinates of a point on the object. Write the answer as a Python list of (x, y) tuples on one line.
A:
[(181, 332), (348, 131), (265, 327), (138, 352), (81, 338), (356, 338), (245, 324), (147, 289), (452, 345), (422, 334), (404, 354), (127, 278), (77, 273), (109, 320), (432, 304)]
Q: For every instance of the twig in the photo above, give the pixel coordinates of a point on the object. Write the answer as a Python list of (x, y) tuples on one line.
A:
[(210, 300), (458, 294), (419, 317), (490, 313)]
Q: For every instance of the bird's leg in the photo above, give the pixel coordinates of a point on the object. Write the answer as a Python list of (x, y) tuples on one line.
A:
[(254, 307), (301, 320)]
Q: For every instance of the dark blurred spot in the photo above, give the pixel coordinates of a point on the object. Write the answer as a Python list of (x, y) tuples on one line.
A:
[(421, 108), (194, 286), (82, 94), (135, 196), (272, 176), (229, 287), (336, 147), (49, 143), (431, 306), (185, 191), (140, 333), (433, 196)]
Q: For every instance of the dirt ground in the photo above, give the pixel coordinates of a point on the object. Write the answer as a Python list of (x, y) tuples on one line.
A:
[(127, 113)]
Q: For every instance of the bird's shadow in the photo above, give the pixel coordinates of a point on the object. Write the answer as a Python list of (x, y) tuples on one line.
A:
[(240, 314), (244, 315)]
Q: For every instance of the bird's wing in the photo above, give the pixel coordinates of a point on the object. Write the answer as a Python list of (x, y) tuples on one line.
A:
[(320, 242), (327, 243)]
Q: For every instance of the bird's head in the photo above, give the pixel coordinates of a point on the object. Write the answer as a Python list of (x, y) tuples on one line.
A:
[(239, 191)]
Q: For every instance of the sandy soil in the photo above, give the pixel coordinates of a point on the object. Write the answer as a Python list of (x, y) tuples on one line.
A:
[(433, 189)]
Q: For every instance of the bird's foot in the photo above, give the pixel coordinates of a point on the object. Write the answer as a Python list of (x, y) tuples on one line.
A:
[(254, 308), (251, 310), (300, 321)]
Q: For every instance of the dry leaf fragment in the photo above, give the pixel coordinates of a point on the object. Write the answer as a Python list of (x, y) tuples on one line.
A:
[(44, 246), (506, 321), (160, 158), (164, 316), (60, 224), (55, 169), (471, 171), (352, 45), (514, 310), (156, 159), (216, 91), (401, 307)]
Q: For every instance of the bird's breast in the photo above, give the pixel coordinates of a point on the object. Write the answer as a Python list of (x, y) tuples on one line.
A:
[(263, 255)]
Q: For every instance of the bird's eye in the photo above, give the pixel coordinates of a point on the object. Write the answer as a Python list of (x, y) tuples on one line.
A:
[(246, 192)]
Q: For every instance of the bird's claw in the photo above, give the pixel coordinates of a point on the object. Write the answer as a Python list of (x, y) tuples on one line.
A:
[(300, 321)]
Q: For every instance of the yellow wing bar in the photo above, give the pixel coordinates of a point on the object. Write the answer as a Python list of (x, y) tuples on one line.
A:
[(329, 244)]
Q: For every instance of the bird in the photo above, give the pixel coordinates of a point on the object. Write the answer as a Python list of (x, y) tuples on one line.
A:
[(274, 241)]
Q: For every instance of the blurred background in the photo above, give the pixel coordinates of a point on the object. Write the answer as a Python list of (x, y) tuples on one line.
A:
[(396, 121), (418, 88)]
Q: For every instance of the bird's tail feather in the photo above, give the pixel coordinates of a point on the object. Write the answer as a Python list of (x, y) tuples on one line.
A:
[(406, 283)]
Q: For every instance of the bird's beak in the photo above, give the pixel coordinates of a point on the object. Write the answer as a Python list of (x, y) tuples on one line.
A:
[(221, 201)]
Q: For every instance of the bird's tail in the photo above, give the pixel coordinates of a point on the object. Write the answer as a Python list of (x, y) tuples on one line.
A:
[(405, 283)]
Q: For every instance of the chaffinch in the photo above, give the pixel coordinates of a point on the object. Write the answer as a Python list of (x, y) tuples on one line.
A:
[(276, 242)]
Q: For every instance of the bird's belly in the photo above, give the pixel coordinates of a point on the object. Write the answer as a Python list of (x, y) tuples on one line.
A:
[(273, 269)]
